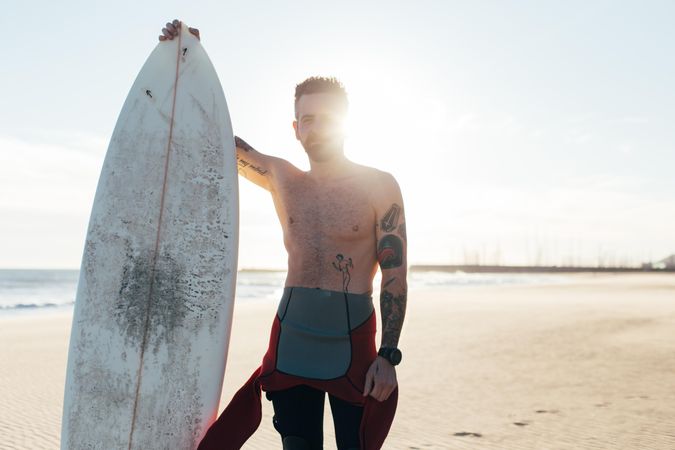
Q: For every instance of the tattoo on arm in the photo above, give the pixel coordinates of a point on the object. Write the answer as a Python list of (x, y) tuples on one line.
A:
[(342, 264), (401, 231), (243, 164), (391, 280), (390, 251), (390, 219), (242, 144), (392, 308)]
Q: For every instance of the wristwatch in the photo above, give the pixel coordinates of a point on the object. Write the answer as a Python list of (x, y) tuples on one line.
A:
[(393, 355)]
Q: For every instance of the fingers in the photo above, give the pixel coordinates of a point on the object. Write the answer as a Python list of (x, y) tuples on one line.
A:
[(166, 34), (387, 392), (382, 382), (170, 30), (382, 391), (377, 391), (370, 375), (174, 27)]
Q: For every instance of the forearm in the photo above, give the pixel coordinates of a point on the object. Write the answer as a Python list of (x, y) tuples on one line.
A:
[(393, 299), (251, 164)]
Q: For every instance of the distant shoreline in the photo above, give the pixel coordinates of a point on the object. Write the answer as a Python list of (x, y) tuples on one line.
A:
[(530, 269)]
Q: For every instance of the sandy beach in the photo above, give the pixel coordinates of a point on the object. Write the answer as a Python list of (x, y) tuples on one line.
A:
[(583, 365)]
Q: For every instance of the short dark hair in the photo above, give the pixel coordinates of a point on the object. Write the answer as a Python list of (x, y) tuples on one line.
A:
[(314, 85)]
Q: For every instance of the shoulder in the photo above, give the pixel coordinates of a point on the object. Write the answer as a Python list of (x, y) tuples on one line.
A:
[(283, 164), (382, 184), (382, 188), (282, 168), (377, 179)]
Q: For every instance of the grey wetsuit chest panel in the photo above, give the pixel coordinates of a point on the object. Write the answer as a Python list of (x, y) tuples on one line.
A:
[(314, 341)]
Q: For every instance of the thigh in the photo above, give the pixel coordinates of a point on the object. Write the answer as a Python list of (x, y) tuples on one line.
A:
[(298, 411), (347, 421)]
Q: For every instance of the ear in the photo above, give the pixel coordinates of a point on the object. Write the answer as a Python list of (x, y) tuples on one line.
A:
[(295, 127)]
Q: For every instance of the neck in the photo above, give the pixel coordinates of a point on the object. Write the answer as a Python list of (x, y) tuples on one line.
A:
[(332, 168)]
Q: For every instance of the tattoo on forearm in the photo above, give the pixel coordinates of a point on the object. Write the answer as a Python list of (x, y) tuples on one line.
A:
[(392, 308), (342, 264), (391, 280), (390, 251), (390, 219), (242, 144), (243, 164)]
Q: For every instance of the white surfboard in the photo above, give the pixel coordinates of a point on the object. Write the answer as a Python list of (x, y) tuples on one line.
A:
[(154, 302)]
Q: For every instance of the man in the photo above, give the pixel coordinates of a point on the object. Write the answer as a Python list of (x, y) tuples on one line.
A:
[(339, 220)]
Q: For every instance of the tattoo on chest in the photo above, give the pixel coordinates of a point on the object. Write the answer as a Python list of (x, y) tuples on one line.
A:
[(390, 251), (342, 264), (390, 219)]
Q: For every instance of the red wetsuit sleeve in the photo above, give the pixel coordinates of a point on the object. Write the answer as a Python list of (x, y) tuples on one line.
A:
[(376, 421), (238, 421)]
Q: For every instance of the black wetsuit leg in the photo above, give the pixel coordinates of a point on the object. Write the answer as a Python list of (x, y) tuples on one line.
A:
[(298, 411), (347, 420)]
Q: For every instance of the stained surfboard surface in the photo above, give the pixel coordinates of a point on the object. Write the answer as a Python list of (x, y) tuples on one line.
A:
[(154, 303)]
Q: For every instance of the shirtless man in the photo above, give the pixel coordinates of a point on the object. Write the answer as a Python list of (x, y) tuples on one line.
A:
[(340, 220)]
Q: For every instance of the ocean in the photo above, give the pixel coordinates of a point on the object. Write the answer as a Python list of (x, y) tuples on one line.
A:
[(45, 291)]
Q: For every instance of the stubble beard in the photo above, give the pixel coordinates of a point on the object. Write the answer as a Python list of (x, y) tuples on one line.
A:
[(323, 151)]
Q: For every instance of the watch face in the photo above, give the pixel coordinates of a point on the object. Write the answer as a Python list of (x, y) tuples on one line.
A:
[(395, 356)]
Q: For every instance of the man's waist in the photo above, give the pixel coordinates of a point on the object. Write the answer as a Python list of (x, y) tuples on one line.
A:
[(324, 310)]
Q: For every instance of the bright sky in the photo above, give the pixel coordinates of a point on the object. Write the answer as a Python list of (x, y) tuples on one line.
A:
[(520, 132)]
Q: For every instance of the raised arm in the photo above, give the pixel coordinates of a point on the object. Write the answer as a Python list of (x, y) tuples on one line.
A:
[(251, 164), (255, 166)]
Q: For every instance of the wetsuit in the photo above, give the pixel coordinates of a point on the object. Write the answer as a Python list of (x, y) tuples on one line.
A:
[(321, 339)]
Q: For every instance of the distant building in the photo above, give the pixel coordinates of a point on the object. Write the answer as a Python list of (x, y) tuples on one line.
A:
[(667, 263)]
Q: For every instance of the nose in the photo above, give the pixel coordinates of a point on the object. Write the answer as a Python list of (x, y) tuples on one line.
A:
[(326, 126), (321, 125)]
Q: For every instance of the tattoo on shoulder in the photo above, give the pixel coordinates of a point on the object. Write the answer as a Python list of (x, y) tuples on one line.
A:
[(343, 264), (390, 251), (390, 218), (392, 308)]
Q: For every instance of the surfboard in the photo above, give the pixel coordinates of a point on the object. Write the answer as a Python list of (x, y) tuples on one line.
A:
[(155, 296)]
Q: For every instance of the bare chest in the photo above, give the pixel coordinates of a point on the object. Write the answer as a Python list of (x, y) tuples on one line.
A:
[(340, 211)]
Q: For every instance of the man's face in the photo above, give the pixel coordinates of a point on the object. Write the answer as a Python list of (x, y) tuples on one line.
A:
[(319, 126)]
